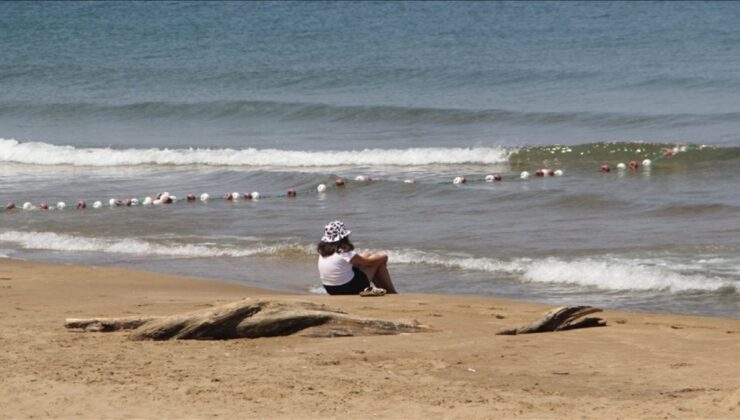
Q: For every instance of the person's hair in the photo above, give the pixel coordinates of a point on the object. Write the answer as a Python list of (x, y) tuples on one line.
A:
[(326, 249)]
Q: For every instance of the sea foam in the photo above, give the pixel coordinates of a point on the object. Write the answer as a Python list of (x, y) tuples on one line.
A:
[(605, 272), (36, 153), (135, 246)]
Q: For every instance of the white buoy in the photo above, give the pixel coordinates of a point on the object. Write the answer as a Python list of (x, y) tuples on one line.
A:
[(147, 201), (27, 206), (362, 178), (204, 197), (134, 201), (235, 196), (646, 163), (458, 180), (559, 172), (409, 181), (524, 175), (112, 202), (255, 195), (157, 202), (61, 205), (621, 166), (489, 178), (98, 204), (173, 198), (321, 188)]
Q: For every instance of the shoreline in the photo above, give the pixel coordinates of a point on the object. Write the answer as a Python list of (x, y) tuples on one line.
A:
[(640, 365)]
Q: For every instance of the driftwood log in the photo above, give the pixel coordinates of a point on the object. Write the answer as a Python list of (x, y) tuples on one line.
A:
[(560, 319), (249, 318)]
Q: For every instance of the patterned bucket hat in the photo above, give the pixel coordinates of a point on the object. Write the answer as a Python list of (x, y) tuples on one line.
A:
[(334, 232)]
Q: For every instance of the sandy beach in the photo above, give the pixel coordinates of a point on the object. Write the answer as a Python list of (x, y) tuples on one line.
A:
[(639, 366)]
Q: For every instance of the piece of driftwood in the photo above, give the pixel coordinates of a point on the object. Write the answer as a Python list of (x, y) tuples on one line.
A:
[(249, 318), (560, 319)]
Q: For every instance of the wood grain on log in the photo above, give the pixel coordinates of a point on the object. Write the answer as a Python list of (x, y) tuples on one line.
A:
[(247, 319), (560, 319)]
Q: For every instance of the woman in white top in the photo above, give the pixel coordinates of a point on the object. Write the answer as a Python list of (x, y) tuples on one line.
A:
[(346, 272)]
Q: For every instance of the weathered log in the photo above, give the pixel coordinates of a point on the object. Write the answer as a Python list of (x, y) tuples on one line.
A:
[(247, 319), (560, 319), (107, 324)]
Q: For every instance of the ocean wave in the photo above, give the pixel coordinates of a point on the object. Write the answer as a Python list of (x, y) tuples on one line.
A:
[(133, 246), (34, 153), (605, 273), (621, 274), (298, 111)]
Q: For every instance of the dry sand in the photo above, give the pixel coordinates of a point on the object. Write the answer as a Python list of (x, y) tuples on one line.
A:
[(639, 366)]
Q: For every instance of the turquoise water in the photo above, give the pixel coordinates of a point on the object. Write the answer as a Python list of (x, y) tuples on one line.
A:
[(119, 100)]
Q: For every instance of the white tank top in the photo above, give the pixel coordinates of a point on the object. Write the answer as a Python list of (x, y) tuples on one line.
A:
[(336, 269)]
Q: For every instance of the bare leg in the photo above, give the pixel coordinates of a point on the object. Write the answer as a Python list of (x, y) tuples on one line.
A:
[(383, 279), (368, 269), (378, 274)]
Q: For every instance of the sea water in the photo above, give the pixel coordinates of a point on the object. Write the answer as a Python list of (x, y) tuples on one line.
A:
[(103, 101)]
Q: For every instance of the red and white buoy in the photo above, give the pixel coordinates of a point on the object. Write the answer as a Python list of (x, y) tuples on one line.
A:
[(292, 193), (634, 165), (339, 182), (459, 180), (81, 205), (605, 168), (190, 197), (10, 206)]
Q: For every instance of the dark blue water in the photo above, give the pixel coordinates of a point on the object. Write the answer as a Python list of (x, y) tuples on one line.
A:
[(119, 100)]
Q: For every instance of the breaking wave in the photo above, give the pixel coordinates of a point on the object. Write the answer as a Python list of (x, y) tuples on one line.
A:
[(33, 153), (604, 272), (133, 246)]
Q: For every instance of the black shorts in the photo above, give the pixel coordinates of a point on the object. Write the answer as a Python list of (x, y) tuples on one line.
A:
[(353, 287)]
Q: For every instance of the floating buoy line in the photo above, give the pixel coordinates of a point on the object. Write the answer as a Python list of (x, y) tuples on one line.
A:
[(165, 198)]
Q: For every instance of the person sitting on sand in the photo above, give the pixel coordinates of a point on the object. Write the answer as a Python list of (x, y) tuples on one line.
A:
[(343, 271)]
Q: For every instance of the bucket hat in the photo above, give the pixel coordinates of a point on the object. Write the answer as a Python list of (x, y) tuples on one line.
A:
[(335, 231)]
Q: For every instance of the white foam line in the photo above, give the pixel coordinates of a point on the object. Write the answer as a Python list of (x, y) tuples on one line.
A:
[(62, 242), (35, 153)]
